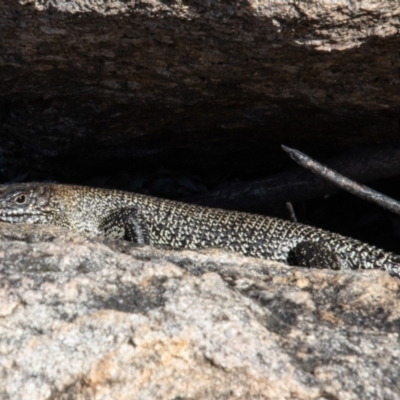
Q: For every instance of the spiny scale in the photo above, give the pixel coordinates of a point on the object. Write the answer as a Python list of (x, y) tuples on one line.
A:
[(164, 223)]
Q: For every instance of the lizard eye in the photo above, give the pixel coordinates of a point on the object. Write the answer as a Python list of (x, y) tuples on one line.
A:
[(21, 199)]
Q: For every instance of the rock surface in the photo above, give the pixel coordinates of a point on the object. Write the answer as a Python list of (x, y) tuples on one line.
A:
[(151, 81), (93, 318)]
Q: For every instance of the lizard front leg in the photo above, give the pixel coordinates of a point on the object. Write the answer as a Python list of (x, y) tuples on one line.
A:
[(126, 223)]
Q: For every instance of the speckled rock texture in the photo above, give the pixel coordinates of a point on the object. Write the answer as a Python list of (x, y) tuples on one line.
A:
[(87, 81), (90, 318)]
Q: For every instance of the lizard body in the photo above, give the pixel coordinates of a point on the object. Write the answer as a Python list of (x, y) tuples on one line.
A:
[(170, 224)]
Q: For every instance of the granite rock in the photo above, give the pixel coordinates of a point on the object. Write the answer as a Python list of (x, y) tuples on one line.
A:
[(89, 83), (86, 317)]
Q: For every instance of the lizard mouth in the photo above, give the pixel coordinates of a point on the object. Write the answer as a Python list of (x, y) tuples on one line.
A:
[(15, 216)]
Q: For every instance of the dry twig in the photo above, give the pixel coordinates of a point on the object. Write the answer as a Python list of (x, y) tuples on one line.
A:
[(362, 165), (341, 181), (292, 214)]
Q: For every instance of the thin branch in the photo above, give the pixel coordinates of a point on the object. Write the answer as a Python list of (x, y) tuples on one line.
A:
[(362, 165), (344, 183), (292, 214)]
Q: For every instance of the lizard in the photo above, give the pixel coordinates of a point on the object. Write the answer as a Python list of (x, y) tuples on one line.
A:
[(147, 220)]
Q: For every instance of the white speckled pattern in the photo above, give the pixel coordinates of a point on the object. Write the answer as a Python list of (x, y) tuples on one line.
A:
[(165, 223)]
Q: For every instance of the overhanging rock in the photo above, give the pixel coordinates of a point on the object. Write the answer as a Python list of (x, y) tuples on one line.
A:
[(131, 79)]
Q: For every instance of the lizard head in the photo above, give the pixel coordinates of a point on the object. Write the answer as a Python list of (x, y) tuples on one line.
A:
[(25, 203)]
